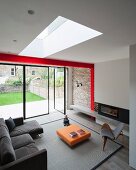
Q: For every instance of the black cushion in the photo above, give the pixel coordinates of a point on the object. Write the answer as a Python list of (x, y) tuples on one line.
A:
[(7, 153), (10, 124)]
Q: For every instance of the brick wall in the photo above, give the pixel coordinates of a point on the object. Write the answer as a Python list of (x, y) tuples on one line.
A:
[(4, 88), (81, 94)]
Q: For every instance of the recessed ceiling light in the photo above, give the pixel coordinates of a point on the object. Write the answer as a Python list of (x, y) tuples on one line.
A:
[(14, 40), (31, 12)]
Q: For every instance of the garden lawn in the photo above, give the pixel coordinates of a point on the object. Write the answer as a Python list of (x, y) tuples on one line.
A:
[(17, 97)]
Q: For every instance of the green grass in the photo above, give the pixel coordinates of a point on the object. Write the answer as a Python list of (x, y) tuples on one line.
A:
[(17, 97)]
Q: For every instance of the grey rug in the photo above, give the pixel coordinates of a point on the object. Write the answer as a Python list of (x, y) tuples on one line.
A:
[(47, 118), (84, 156)]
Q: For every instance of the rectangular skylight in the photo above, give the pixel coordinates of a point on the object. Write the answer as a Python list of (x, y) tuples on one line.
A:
[(61, 34), (52, 27)]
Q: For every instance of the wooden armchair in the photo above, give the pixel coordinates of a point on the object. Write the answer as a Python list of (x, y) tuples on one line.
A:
[(108, 133)]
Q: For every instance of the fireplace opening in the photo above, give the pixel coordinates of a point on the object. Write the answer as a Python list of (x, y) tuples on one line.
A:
[(112, 112), (109, 111)]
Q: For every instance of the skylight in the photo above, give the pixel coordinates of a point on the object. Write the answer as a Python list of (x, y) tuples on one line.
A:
[(52, 27), (61, 34)]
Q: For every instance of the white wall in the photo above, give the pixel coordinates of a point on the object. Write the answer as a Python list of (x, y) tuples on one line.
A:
[(132, 132), (69, 88), (112, 83)]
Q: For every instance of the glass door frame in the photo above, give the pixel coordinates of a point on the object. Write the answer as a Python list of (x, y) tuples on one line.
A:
[(24, 87), (24, 92), (21, 65), (64, 91)]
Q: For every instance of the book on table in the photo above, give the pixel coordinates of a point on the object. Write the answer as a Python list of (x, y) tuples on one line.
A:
[(81, 132), (73, 134)]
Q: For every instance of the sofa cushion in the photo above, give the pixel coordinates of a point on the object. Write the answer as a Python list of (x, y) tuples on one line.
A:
[(31, 127), (26, 150), (3, 124), (18, 121), (21, 140), (7, 153), (4, 132), (3, 129), (10, 124)]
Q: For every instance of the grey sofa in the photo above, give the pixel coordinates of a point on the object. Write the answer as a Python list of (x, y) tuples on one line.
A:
[(17, 148)]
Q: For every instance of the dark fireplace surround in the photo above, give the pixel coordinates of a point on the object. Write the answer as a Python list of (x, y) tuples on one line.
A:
[(112, 112)]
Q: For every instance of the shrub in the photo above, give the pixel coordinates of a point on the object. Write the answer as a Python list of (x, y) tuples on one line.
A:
[(59, 82), (14, 82), (17, 83)]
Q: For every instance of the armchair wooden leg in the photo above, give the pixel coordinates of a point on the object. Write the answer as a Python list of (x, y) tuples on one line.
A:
[(104, 142), (123, 140)]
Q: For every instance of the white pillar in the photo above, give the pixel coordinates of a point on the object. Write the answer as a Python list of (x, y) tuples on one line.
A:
[(132, 133), (69, 88)]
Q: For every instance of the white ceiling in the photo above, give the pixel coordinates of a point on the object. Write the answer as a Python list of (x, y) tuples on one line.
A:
[(116, 19)]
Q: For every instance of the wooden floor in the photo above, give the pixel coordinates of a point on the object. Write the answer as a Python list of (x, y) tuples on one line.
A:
[(120, 160)]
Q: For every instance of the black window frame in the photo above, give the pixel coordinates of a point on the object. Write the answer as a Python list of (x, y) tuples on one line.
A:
[(24, 88)]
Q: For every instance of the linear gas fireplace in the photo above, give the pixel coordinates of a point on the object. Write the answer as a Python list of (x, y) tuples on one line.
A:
[(112, 112)]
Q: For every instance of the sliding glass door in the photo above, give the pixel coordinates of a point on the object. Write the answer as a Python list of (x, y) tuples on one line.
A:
[(28, 91), (59, 88), (36, 91), (51, 89), (11, 91)]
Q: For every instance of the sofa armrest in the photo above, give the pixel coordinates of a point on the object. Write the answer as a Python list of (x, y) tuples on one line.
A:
[(35, 161), (19, 121)]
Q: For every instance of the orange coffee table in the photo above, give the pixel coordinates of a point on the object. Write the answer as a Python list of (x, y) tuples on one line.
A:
[(64, 132)]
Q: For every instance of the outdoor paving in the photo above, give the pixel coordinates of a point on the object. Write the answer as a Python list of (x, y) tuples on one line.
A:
[(32, 109)]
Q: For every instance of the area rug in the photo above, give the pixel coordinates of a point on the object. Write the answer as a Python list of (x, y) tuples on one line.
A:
[(47, 118), (87, 155)]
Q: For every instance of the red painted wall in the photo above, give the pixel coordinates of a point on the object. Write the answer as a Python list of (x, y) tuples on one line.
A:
[(12, 58), (92, 87)]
